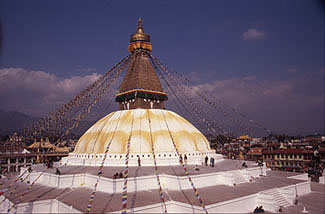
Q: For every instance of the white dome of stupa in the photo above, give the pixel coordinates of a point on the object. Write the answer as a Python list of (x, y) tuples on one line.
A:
[(146, 129)]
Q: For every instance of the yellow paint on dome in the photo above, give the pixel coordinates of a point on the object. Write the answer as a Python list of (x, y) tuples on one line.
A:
[(117, 127)]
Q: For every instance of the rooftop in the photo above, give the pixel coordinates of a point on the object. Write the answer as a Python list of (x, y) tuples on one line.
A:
[(289, 151)]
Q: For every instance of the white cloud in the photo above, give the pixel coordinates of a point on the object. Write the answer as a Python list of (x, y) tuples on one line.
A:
[(253, 34), (274, 103), (284, 106), (247, 90), (76, 83), (37, 92)]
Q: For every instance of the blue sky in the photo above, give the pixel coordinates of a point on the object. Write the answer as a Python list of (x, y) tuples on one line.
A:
[(264, 57)]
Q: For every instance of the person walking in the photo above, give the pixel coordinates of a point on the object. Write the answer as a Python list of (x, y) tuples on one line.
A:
[(57, 172), (185, 159), (180, 159), (139, 161), (206, 160), (212, 161)]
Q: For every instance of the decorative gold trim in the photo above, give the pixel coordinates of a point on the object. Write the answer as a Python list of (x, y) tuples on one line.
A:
[(139, 44), (142, 90)]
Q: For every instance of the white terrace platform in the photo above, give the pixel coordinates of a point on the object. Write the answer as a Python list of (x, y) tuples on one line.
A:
[(143, 178), (224, 188)]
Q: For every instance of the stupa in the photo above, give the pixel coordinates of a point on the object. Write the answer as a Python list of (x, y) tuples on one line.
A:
[(105, 163), (142, 121)]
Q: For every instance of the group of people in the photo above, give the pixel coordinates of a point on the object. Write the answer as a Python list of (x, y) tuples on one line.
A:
[(181, 159), (259, 209), (211, 161), (49, 164), (118, 175)]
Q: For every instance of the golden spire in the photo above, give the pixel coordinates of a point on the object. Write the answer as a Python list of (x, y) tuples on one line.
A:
[(140, 28), (139, 40)]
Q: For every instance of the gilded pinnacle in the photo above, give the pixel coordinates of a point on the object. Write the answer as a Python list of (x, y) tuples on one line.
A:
[(139, 40), (140, 28)]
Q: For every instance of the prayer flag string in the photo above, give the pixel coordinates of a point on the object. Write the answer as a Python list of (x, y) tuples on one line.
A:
[(126, 171), (100, 170), (184, 167), (161, 194)]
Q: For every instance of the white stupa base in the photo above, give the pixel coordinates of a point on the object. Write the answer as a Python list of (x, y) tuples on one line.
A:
[(144, 183), (146, 159), (237, 205)]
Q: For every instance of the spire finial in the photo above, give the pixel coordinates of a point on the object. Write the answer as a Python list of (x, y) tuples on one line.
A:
[(139, 39), (140, 28)]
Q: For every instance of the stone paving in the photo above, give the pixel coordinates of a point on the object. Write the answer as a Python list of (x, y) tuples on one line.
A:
[(37, 192), (78, 197), (104, 202), (219, 193)]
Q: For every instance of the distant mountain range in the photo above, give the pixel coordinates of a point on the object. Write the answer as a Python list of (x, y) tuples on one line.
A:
[(11, 121)]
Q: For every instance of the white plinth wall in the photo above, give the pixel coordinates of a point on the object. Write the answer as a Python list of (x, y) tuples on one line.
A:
[(162, 159), (170, 182)]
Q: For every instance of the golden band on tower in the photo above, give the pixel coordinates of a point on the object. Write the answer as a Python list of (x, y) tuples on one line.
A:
[(139, 40)]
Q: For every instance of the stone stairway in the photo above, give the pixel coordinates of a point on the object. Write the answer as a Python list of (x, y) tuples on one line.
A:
[(238, 177), (278, 197)]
